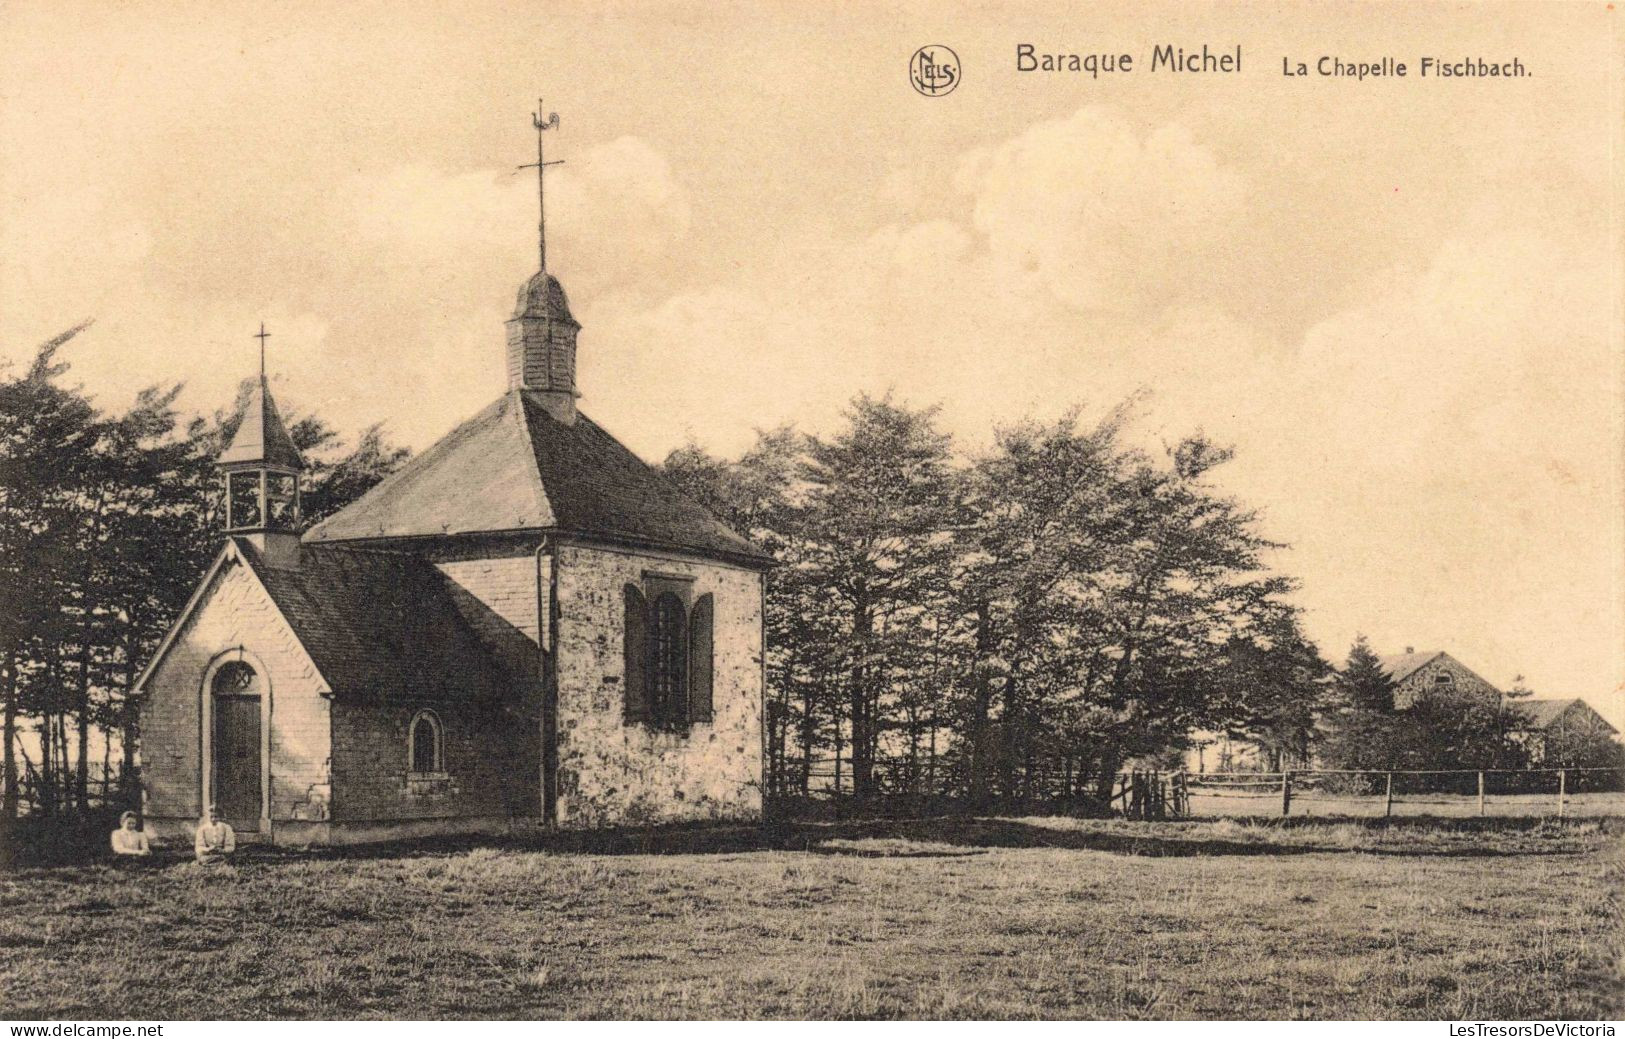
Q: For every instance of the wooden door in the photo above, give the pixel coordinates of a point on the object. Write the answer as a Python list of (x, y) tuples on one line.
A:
[(237, 760)]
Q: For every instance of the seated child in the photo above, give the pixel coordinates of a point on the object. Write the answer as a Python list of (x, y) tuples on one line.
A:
[(216, 840), (127, 840)]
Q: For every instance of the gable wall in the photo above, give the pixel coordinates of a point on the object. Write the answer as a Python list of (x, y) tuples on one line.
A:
[(1418, 685), (234, 612), (611, 773), (1580, 717), (498, 598)]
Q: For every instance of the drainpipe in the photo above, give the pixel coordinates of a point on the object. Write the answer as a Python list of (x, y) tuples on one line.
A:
[(547, 589), (762, 762)]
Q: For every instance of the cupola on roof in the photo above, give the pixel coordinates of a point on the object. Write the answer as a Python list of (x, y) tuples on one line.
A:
[(261, 438), (531, 461), (543, 297)]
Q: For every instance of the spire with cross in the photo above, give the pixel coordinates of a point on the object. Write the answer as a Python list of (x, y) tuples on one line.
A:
[(261, 470), (262, 335), (542, 124)]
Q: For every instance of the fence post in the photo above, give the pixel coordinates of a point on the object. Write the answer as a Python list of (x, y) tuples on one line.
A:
[(1286, 793), (1562, 790), (1388, 797), (1481, 792)]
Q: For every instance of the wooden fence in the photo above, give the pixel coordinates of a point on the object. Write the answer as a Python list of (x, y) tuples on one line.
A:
[(104, 788), (1555, 792), (1154, 795)]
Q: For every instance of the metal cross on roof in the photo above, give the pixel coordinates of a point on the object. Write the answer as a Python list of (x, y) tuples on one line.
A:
[(262, 335)]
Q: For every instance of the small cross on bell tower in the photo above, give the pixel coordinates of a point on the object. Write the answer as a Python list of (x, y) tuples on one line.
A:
[(260, 470)]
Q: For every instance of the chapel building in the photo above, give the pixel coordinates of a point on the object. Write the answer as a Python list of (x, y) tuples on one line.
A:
[(523, 626)]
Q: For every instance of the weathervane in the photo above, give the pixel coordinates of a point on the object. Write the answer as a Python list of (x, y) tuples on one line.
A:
[(551, 122)]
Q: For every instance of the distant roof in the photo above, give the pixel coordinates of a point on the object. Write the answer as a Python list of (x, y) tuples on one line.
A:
[(516, 467), (1543, 713), (261, 436), (380, 624), (1401, 666)]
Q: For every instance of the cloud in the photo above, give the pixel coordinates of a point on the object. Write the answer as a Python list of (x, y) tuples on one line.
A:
[(1439, 446), (613, 211), (48, 235), (1465, 364), (1107, 217)]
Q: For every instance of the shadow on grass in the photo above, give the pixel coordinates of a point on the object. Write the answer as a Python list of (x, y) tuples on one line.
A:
[(950, 836), (947, 836)]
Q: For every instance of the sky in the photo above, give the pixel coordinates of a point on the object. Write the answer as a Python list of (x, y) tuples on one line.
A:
[(1399, 299)]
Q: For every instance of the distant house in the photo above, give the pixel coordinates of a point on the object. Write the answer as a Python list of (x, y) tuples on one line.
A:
[(1417, 675), (1541, 726)]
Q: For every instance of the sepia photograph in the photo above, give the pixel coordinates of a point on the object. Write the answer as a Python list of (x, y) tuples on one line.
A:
[(662, 510)]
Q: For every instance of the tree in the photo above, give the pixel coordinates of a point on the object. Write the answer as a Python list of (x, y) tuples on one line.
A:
[(872, 533), (106, 521), (1276, 689), (1451, 729), (1366, 682), (48, 436), (1184, 575), (334, 482), (1362, 730), (1036, 522), (1582, 746), (1061, 601)]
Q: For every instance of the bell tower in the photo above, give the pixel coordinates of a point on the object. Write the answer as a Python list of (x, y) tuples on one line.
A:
[(542, 333), (542, 346), (261, 470)]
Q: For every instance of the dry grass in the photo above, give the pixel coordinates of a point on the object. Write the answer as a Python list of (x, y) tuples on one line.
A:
[(938, 918)]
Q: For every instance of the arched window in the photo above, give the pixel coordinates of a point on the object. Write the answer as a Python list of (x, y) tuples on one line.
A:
[(668, 670), (668, 657), (1444, 678), (424, 743), (234, 677)]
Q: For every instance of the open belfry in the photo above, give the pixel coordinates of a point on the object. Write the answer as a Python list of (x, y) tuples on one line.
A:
[(523, 626)]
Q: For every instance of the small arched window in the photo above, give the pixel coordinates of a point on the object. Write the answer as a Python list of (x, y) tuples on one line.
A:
[(424, 743), (1444, 678)]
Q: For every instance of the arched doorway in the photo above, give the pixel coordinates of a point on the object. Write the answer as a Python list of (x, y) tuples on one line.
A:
[(236, 744)]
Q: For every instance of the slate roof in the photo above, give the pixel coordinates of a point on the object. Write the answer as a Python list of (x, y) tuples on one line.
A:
[(261, 436), (1543, 713), (1401, 666), (381, 624), (516, 467)]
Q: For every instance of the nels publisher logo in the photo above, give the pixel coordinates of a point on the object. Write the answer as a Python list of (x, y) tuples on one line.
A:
[(934, 70)]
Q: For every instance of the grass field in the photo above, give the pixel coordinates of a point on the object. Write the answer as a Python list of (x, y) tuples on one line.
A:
[(1054, 918)]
